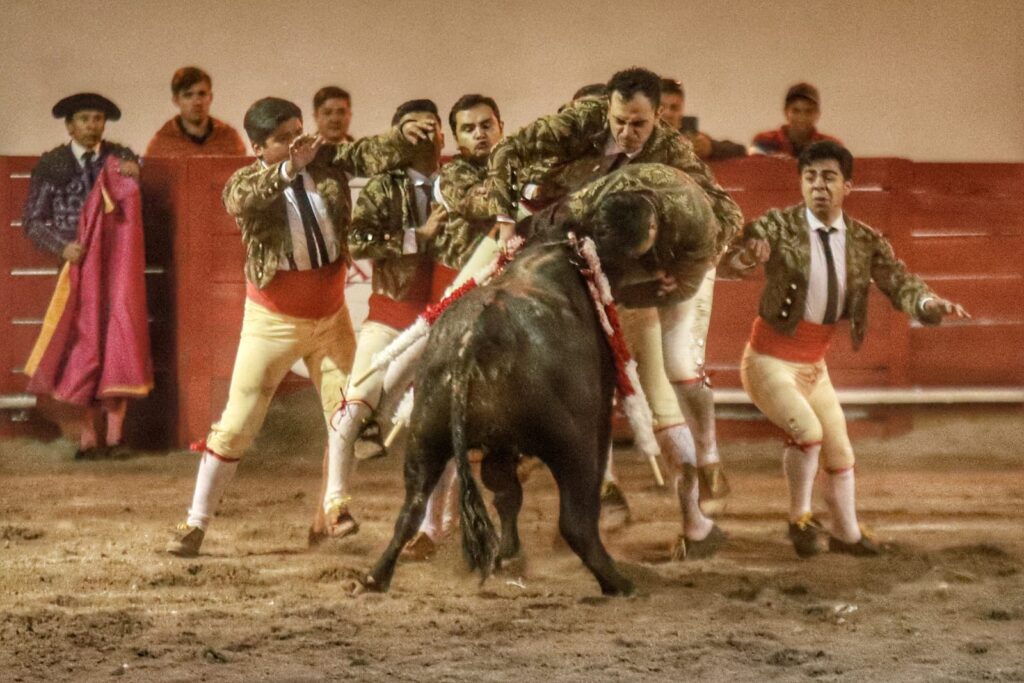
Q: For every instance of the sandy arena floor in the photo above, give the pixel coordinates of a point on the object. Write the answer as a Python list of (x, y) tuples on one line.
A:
[(86, 593)]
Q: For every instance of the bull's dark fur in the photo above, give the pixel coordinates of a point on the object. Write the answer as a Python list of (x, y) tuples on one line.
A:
[(518, 366)]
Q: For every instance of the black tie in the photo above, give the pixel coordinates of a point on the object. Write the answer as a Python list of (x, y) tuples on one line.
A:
[(832, 307), (89, 167), (314, 237), (620, 159), (426, 189)]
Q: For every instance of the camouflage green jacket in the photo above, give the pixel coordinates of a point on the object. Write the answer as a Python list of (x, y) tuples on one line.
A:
[(869, 256), (254, 195), (688, 233), (384, 209), (468, 211), (567, 149)]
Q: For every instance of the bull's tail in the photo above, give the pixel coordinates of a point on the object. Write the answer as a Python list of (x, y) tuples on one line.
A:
[(479, 539)]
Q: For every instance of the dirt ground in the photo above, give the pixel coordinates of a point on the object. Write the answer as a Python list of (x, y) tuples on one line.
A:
[(86, 593)]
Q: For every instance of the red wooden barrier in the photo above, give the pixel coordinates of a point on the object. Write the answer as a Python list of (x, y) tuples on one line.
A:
[(959, 225)]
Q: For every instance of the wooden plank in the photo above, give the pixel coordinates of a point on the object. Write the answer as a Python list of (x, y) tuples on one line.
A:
[(979, 254), (972, 355)]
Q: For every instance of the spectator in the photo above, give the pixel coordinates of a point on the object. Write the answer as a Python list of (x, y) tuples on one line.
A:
[(193, 132), (673, 106), (332, 109), (802, 109)]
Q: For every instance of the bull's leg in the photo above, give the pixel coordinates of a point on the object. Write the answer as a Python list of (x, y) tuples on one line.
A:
[(423, 467), (577, 472), (498, 472)]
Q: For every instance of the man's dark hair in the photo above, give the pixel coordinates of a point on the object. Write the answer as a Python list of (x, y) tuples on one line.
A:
[(330, 92), (418, 106), (264, 116), (636, 80), (468, 102), (672, 86), (826, 149), (592, 90), (621, 224), (187, 76)]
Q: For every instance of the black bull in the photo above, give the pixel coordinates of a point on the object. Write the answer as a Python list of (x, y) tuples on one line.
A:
[(517, 366)]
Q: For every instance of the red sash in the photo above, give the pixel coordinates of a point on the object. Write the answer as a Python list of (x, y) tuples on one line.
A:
[(807, 345), (317, 293), (399, 315)]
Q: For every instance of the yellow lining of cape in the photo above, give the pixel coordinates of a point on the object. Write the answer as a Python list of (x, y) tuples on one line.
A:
[(130, 389), (54, 312)]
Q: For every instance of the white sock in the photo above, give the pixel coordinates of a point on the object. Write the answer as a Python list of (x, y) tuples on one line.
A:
[(341, 450), (433, 520), (680, 454), (839, 494), (677, 446), (697, 404), (211, 480), (801, 467)]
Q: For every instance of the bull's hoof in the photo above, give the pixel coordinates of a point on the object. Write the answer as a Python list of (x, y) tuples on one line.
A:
[(370, 585), (623, 588), (513, 565)]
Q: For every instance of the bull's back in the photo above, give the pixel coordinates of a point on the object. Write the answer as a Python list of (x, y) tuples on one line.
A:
[(526, 349)]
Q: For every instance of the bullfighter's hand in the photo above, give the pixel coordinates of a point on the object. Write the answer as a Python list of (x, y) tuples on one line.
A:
[(945, 307), (433, 224), (417, 130), (128, 168), (73, 252), (755, 251), (666, 284), (302, 151)]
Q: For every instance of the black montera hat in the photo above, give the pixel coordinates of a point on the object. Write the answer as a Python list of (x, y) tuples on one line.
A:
[(72, 104)]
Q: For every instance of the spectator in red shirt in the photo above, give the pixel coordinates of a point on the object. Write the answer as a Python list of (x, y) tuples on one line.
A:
[(193, 132), (802, 109)]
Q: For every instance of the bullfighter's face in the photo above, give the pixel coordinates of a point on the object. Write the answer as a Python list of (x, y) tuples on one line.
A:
[(631, 121), (477, 131), (86, 127), (276, 148), (824, 189)]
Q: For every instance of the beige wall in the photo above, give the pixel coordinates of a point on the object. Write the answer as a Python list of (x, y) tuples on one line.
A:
[(940, 80)]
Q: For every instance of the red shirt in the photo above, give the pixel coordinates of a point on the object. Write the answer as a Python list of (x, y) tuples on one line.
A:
[(779, 142), (171, 141)]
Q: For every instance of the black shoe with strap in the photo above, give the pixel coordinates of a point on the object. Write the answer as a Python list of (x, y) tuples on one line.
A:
[(807, 535)]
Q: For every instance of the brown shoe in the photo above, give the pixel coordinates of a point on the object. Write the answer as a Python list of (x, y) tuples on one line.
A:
[(712, 482), (688, 549), (340, 522), (420, 548), (807, 535), (186, 541), (866, 546)]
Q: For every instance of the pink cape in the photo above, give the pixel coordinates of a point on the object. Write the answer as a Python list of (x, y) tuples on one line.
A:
[(94, 343)]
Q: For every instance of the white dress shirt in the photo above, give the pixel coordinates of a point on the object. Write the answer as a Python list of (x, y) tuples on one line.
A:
[(423, 187), (300, 249), (817, 285), (79, 152)]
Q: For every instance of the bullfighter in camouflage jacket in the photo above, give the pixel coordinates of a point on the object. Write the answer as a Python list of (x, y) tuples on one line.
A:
[(819, 263), (588, 139), (292, 206)]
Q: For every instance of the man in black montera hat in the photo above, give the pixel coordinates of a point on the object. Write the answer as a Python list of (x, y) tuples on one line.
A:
[(60, 185)]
